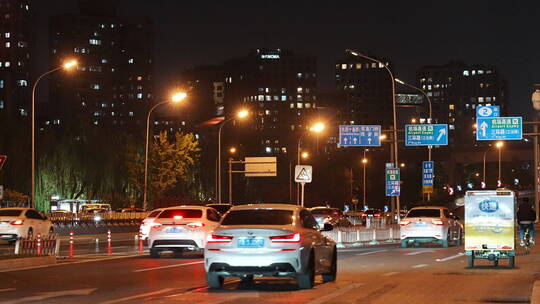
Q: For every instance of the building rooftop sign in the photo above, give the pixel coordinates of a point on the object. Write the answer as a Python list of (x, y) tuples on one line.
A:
[(269, 56)]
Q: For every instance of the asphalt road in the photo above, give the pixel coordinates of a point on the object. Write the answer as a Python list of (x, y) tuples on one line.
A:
[(381, 274)]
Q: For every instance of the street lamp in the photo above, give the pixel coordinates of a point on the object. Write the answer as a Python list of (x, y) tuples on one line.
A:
[(243, 113), (430, 118), (394, 112), (68, 65), (305, 155), (317, 127), (175, 98), (499, 146), (232, 150), (364, 163)]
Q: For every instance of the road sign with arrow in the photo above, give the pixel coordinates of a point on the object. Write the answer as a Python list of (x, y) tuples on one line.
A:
[(499, 128), (426, 135), (359, 135)]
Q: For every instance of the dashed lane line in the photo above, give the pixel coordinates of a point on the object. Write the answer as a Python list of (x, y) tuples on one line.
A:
[(419, 266), (335, 294), (419, 252), (168, 266), (388, 274), (455, 256), (371, 252), (142, 295)]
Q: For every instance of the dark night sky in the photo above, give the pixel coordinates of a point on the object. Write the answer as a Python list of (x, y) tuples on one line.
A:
[(190, 33)]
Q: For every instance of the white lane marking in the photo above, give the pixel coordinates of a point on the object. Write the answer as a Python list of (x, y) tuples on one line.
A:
[(371, 252), (52, 294), (7, 289), (142, 295), (70, 263), (389, 274), (419, 266), (168, 266), (419, 252), (450, 257), (334, 294)]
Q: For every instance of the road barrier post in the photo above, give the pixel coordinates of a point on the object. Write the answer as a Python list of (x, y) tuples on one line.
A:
[(109, 243), (71, 244), (140, 242), (38, 240)]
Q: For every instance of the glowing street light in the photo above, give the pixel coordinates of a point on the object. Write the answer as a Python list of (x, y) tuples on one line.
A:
[(305, 155), (317, 128), (241, 114), (68, 65), (232, 150), (175, 98)]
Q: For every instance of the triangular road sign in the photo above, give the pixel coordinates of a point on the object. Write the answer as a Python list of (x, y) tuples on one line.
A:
[(303, 174)]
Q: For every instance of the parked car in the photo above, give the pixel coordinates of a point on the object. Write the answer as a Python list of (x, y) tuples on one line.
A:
[(332, 216), (221, 208), (181, 228), (16, 223), (430, 224), (277, 240), (147, 223)]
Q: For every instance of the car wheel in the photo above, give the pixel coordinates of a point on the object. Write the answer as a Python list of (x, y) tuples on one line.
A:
[(403, 243), (154, 253), (306, 280), (214, 280), (331, 276), (30, 233)]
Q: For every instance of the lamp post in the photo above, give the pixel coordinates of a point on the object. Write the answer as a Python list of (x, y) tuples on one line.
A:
[(364, 163), (317, 127), (66, 66), (241, 114), (484, 170), (535, 99), (499, 146), (394, 110), (430, 118), (177, 97)]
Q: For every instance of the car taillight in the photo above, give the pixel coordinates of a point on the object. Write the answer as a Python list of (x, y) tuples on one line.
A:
[(289, 238), (216, 238), (377, 214), (195, 225), (177, 217), (17, 222), (404, 223), (437, 222), (156, 225)]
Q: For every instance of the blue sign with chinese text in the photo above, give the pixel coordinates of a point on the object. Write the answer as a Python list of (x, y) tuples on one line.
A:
[(427, 176), (488, 111), (392, 182), (499, 128), (426, 135), (359, 135)]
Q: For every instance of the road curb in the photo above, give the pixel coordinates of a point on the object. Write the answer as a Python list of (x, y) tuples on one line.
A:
[(21, 263), (535, 296)]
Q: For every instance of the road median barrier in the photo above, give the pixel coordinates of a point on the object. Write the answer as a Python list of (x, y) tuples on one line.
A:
[(361, 236)]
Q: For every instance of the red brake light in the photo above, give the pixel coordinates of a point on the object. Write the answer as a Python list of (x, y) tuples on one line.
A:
[(156, 225), (216, 238), (289, 238), (195, 225), (17, 222), (437, 222), (178, 217)]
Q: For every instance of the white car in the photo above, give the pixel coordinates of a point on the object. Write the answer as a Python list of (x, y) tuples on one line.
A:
[(17, 223), (181, 228), (147, 223), (270, 240), (430, 224)]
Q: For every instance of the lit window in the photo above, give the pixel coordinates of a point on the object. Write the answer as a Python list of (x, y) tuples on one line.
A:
[(7, 35), (139, 78), (22, 83), (139, 95), (267, 90), (131, 60), (358, 65), (488, 99), (299, 105), (343, 66), (307, 105), (130, 114), (276, 98), (451, 107), (299, 75), (1, 83), (104, 60), (8, 44), (22, 44), (260, 98), (299, 97), (480, 72), (283, 98), (291, 105), (1, 104), (299, 90), (95, 86), (7, 64), (465, 73), (267, 112), (473, 72), (480, 99), (94, 41), (268, 98)]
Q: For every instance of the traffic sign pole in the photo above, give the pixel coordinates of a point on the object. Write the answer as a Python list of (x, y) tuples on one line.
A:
[(302, 194)]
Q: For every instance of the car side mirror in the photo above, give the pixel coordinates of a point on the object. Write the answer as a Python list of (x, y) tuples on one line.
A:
[(327, 227)]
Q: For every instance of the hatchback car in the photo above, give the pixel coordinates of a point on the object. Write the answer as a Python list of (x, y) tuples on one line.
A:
[(332, 216), (181, 228), (430, 224), (17, 223), (276, 240)]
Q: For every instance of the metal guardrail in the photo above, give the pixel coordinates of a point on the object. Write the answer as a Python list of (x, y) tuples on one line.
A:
[(104, 218), (357, 234)]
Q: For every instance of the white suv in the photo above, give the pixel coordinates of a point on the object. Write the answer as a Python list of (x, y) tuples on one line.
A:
[(277, 240), (147, 223), (430, 224), (181, 228), (16, 223)]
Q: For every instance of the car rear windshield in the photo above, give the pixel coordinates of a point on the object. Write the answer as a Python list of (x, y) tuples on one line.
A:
[(424, 213), (258, 217), (10, 212), (322, 211), (184, 213), (154, 213)]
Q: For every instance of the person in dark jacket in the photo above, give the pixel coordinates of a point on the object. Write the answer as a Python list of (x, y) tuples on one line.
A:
[(526, 216)]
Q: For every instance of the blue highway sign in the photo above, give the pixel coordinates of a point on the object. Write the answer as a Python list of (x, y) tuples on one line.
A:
[(428, 168), (426, 135), (392, 182), (488, 111), (359, 135), (499, 128)]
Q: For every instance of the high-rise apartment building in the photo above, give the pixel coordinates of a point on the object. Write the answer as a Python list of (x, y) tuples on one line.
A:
[(456, 89), (15, 58), (113, 82)]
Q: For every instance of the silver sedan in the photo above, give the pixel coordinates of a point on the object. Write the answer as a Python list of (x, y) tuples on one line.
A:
[(270, 240)]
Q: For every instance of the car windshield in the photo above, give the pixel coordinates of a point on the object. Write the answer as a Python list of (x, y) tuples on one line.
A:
[(424, 213), (323, 211), (258, 217), (10, 212), (184, 213)]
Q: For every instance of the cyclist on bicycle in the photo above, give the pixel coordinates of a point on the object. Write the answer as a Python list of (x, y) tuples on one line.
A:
[(526, 217)]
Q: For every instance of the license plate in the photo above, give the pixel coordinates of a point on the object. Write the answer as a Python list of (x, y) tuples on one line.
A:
[(175, 230), (421, 224), (250, 242)]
